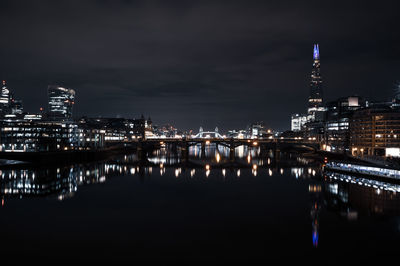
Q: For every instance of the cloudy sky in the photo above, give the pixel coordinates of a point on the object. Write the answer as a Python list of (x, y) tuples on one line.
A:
[(198, 63)]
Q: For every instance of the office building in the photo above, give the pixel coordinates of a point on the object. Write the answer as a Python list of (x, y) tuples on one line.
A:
[(337, 119), (375, 131), (61, 102)]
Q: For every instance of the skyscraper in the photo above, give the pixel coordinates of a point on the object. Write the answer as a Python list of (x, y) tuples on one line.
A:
[(4, 99), (61, 101), (315, 100)]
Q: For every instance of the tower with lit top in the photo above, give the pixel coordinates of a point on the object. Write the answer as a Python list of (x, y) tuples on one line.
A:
[(315, 100)]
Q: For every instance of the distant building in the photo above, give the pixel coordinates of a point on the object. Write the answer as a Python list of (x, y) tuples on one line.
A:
[(315, 100), (4, 99), (298, 121), (61, 102), (310, 121), (16, 107)]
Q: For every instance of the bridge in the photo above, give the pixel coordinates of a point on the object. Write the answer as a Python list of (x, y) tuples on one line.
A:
[(276, 144), (208, 134), (207, 138)]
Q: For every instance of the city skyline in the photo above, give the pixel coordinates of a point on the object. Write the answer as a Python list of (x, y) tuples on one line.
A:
[(246, 62), (203, 131)]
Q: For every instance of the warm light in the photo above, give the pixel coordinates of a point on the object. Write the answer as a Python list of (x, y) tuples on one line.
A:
[(254, 167), (223, 172), (255, 143), (217, 157), (248, 158), (208, 142), (238, 172), (207, 167)]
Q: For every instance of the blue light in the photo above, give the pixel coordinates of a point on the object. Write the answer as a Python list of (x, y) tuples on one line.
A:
[(315, 238), (316, 51)]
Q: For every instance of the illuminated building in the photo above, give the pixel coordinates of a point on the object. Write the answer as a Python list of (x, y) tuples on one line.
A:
[(256, 130), (375, 131), (16, 107), (4, 99), (61, 101), (20, 135), (298, 121), (103, 129), (311, 122), (337, 117), (315, 100)]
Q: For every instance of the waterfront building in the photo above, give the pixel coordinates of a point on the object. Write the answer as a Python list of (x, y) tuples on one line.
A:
[(375, 131), (21, 135), (61, 101), (337, 118), (101, 130), (315, 100)]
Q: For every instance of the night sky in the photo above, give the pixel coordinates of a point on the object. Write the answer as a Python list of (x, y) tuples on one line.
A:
[(198, 63)]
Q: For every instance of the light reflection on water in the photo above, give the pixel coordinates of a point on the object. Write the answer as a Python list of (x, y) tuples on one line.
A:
[(64, 181), (352, 198)]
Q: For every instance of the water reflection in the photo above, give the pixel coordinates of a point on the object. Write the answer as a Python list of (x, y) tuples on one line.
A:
[(350, 197), (201, 162)]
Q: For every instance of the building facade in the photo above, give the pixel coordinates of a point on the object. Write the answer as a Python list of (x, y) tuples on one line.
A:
[(337, 119), (20, 135), (298, 121), (61, 101), (375, 131), (4, 99)]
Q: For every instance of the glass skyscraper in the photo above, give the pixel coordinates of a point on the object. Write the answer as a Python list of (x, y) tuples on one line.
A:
[(4, 99), (315, 100), (61, 101)]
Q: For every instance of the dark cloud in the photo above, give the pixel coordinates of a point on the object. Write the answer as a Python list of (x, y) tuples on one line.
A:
[(192, 63)]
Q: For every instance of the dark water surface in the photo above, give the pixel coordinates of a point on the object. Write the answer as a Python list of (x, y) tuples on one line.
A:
[(258, 209)]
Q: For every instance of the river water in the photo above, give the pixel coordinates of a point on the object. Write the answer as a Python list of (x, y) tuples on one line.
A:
[(256, 208)]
